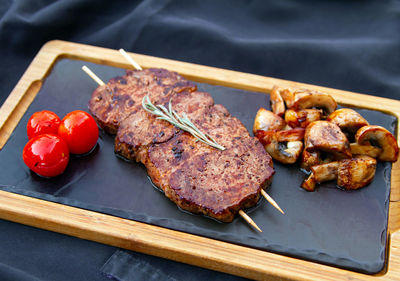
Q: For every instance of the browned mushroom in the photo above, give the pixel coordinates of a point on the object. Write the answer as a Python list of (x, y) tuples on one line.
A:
[(302, 118), (369, 150), (379, 137), (321, 173), (357, 172), (283, 146), (348, 120), (277, 104), (304, 99), (288, 96), (266, 120), (351, 173), (326, 137)]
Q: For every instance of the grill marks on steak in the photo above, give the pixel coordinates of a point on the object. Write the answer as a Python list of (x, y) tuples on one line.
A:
[(195, 176), (121, 96)]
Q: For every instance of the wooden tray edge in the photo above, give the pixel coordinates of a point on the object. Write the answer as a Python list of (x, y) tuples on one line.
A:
[(219, 255)]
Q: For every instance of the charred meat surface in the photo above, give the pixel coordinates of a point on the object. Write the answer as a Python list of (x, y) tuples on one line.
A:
[(196, 177), (121, 96), (141, 128)]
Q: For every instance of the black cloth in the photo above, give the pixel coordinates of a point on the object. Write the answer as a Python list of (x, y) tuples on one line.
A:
[(349, 45)]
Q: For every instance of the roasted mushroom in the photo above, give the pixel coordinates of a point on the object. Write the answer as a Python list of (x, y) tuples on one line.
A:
[(369, 150), (284, 146), (348, 120), (351, 173), (326, 137), (312, 99), (379, 137), (356, 172), (288, 96), (266, 120), (321, 173), (277, 104), (302, 118)]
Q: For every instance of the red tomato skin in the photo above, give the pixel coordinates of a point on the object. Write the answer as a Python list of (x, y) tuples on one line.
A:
[(42, 122), (79, 129), (47, 155)]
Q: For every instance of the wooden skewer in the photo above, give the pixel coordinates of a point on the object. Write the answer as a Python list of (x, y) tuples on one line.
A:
[(92, 75), (271, 201), (249, 220), (130, 59)]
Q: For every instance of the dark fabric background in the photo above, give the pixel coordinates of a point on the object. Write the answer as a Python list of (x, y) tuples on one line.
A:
[(349, 45)]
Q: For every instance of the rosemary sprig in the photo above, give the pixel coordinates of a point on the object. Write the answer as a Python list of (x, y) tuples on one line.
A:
[(183, 123)]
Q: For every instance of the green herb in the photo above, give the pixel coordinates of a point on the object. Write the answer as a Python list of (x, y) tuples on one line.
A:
[(183, 123)]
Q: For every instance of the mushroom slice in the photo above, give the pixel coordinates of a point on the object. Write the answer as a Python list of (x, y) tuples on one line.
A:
[(348, 120), (369, 150), (277, 104), (379, 137), (267, 120), (296, 134), (284, 152), (302, 118), (350, 173), (326, 137), (309, 183), (325, 172), (356, 173), (309, 159), (288, 96), (313, 99), (321, 173)]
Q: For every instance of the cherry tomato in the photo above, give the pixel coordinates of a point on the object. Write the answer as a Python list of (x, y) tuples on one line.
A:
[(47, 155), (42, 122), (80, 131)]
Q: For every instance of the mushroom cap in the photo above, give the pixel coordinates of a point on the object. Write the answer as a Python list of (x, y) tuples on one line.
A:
[(313, 99), (356, 172), (347, 119), (380, 137), (266, 120), (288, 96), (277, 103), (286, 153), (302, 118), (327, 137)]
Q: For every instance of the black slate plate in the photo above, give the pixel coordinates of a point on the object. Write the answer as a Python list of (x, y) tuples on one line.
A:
[(331, 226)]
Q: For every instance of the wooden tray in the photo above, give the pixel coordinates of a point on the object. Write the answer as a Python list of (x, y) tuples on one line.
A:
[(174, 245)]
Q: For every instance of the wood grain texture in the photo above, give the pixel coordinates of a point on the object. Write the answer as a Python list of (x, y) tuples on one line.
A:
[(174, 245)]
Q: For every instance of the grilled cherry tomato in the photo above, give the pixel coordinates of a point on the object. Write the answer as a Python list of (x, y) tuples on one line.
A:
[(42, 122), (80, 131), (47, 155)]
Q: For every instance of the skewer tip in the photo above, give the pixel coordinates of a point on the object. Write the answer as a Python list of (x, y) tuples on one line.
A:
[(249, 220), (271, 201), (130, 59), (92, 75)]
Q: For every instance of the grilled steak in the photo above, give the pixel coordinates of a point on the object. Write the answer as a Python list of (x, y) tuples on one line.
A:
[(122, 96), (196, 176)]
